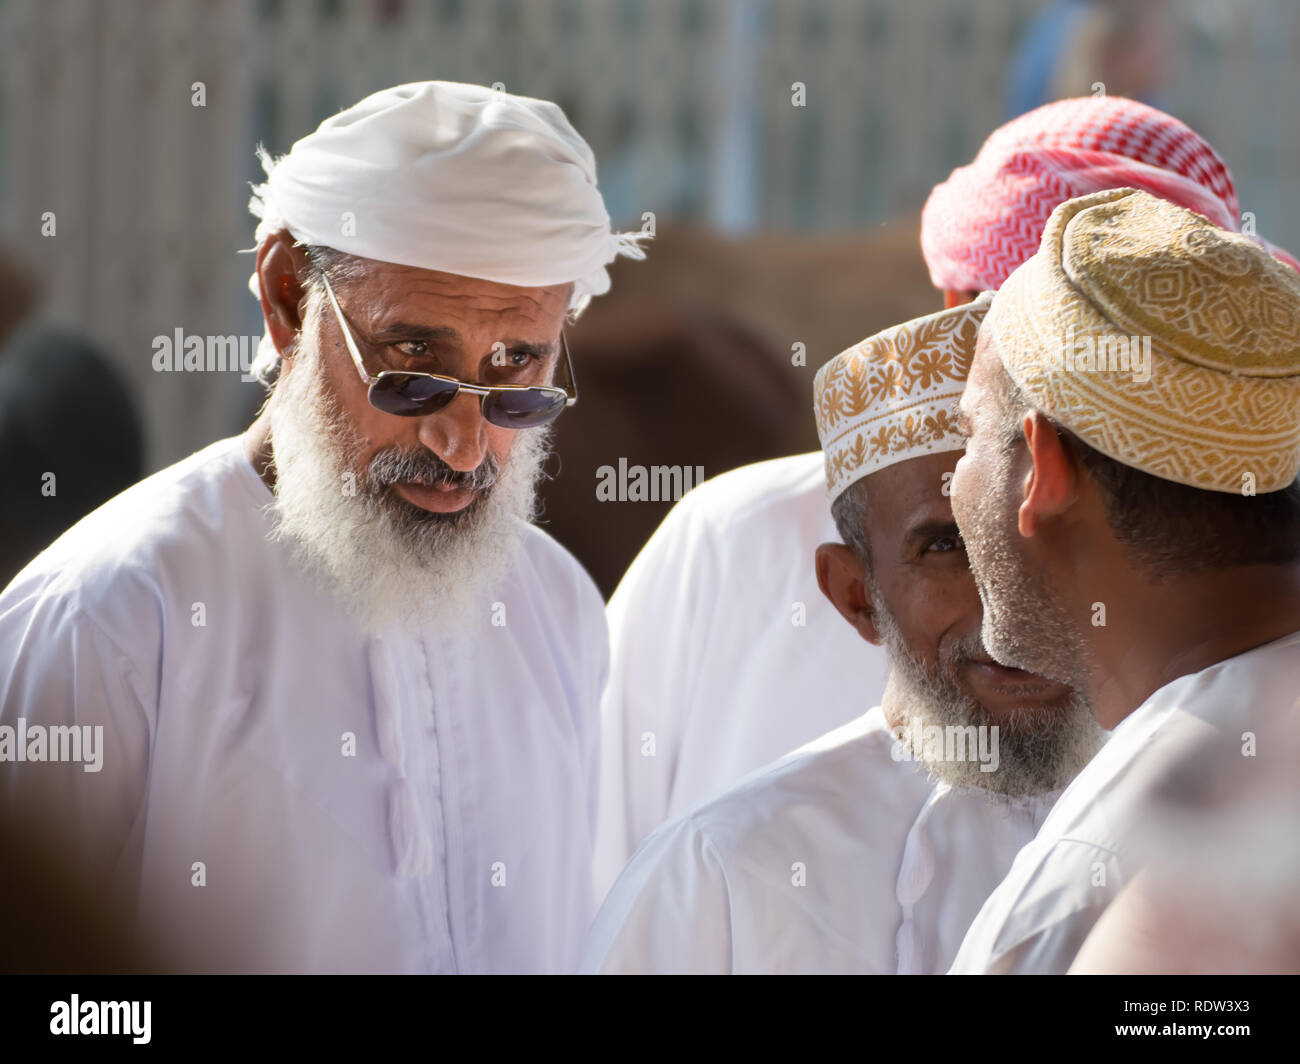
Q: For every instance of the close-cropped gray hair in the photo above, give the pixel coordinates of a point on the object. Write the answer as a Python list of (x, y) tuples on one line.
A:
[(322, 261), (850, 513)]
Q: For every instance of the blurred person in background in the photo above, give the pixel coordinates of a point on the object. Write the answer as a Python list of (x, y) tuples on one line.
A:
[(70, 435), (58, 923), (1218, 894), (724, 656), (324, 699), (1090, 47), (19, 294)]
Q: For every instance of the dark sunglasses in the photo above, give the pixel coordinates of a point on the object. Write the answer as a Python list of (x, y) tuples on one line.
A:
[(509, 406)]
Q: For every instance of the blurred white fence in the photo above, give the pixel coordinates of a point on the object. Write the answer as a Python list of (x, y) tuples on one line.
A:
[(687, 103)]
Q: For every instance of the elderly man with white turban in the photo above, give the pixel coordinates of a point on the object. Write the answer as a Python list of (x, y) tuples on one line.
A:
[(757, 663), (347, 694), (871, 849)]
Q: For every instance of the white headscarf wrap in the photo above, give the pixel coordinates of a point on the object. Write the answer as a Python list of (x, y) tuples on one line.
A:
[(451, 177)]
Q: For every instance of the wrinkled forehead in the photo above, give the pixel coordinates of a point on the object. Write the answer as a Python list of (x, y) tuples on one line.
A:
[(384, 291), (372, 277)]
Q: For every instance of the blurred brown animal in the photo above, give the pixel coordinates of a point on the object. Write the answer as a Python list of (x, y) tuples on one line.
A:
[(690, 361)]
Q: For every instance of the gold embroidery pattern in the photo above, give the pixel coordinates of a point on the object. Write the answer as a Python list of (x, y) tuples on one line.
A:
[(1223, 396), (894, 395)]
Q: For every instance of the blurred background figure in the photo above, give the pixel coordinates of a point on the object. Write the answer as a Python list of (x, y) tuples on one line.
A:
[(780, 150), (59, 923), (70, 438), (1090, 47), (1236, 911), (18, 294)]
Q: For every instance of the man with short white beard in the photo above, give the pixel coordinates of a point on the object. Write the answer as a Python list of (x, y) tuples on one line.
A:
[(871, 849), (349, 694)]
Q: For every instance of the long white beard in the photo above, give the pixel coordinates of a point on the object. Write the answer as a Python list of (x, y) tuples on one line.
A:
[(388, 561)]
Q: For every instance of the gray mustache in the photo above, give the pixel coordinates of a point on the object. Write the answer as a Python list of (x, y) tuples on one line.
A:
[(969, 649), (394, 467)]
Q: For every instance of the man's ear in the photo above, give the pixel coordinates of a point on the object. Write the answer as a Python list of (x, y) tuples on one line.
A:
[(843, 579), (279, 266), (1051, 485)]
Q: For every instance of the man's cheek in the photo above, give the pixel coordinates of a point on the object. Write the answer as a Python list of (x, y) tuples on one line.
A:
[(501, 447)]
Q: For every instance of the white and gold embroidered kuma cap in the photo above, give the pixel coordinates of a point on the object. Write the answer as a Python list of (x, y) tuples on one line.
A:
[(894, 395)]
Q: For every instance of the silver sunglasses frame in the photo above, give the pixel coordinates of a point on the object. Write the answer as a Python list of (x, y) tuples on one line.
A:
[(482, 390)]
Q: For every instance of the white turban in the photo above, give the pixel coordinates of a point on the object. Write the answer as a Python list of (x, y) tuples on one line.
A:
[(450, 177)]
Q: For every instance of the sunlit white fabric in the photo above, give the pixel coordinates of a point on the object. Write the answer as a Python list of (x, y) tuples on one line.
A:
[(836, 859), (1090, 845), (725, 655), (453, 177), (458, 836)]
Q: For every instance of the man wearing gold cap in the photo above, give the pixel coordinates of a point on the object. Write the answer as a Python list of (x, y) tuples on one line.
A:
[(871, 849), (1134, 528)]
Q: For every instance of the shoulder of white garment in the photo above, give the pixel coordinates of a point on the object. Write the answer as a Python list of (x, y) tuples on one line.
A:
[(755, 495), (754, 501), (842, 761), (1025, 926), (688, 610), (740, 517), (568, 614), (774, 510), (567, 586), (118, 564), (82, 627), (1036, 920), (1060, 884), (677, 890), (668, 912)]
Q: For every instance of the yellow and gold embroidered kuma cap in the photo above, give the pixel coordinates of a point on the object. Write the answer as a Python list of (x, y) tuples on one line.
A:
[(1161, 340), (894, 395)]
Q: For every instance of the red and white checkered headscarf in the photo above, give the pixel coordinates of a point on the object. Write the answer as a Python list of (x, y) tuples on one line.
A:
[(988, 217)]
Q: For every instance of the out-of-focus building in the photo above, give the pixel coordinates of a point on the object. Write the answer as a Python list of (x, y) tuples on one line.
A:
[(771, 127)]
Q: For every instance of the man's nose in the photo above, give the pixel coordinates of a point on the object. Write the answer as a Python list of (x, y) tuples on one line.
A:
[(457, 433)]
